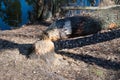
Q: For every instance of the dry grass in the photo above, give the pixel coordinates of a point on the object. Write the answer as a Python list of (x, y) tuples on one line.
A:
[(94, 57)]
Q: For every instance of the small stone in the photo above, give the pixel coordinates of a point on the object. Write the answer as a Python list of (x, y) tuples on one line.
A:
[(34, 72)]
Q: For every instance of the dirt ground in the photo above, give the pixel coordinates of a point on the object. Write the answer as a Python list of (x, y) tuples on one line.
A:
[(92, 57)]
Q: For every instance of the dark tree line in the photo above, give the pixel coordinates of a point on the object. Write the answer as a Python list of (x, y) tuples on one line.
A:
[(43, 9), (10, 12), (47, 9)]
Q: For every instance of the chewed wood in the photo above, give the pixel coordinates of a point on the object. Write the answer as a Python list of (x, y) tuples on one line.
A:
[(44, 46), (112, 26)]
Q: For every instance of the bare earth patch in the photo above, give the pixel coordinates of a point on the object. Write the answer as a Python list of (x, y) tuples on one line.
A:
[(92, 57)]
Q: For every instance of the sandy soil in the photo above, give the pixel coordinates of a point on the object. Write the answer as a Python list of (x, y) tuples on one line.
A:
[(92, 57)]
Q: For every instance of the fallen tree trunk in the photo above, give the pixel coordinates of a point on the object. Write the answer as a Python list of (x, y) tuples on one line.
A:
[(89, 23)]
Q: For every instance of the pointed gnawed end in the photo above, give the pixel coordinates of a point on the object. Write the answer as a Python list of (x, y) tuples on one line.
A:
[(112, 26), (43, 50), (43, 47)]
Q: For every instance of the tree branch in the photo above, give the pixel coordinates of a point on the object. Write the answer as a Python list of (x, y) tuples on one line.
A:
[(88, 8)]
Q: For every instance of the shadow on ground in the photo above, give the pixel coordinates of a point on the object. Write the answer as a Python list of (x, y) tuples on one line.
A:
[(107, 64), (92, 39), (26, 49)]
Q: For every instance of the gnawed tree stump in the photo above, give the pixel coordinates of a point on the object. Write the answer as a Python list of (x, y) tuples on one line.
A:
[(44, 46), (44, 50)]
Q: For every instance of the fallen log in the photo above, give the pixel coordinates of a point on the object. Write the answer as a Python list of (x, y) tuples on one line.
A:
[(90, 23)]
